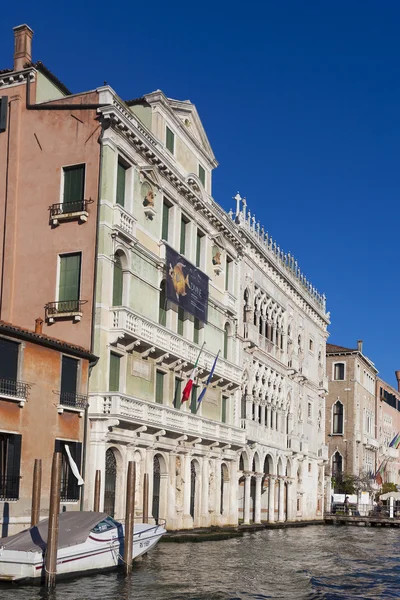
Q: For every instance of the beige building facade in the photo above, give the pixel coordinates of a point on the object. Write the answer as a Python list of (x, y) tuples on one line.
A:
[(388, 426)]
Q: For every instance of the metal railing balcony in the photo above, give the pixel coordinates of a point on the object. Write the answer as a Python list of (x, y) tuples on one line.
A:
[(73, 400), (14, 388), (64, 308), (68, 208)]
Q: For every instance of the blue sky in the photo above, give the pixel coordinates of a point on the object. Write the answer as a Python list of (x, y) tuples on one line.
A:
[(300, 100)]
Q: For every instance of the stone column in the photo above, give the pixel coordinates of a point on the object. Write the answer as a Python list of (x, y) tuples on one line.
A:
[(246, 499), (269, 330), (233, 517), (262, 409), (271, 500), (263, 326), (171, 504), (281, 507), (290, 512), (217, 493), (268, 423), (187, 519), (205, 515), (257, 510)]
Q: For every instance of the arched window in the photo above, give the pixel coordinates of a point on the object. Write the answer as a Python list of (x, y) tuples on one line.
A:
[(338, 371), (117, 281), (337, 464), (338, 417), (226, 341), (162, 314)]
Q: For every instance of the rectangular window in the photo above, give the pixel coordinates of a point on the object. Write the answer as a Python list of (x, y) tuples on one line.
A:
[(182, 247), (121, 181), (69, 380), (309, 467), (69, 483), (160, 387), (181, 318), (10, 462), (309, 410), (74, 188), (170, 140), (229, 265), (199, 247), (165, 220), (311, 345), (115, 362), (196, 330), (69, 282), (193, 399), (338, 373), (202, 175), (8, 360), (178, 393), (223, 411)]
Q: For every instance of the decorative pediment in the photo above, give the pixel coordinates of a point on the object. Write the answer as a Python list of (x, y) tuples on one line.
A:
[(150, 175), (219, 241)]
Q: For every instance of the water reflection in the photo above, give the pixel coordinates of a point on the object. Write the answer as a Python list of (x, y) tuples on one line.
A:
[(308, 563)]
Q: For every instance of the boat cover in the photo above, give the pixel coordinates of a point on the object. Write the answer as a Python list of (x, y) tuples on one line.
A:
[(74, 528)]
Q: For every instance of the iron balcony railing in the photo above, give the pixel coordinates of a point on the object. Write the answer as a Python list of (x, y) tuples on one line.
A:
[(9, 487), (12, 387), (63, 307), (73, 400), (65, 208)]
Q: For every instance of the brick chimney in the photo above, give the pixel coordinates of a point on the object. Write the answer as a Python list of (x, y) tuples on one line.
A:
[(359, 345), (22, 46), (397, 373), (38, 325)]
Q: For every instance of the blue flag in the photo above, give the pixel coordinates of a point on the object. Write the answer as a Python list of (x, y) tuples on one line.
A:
[(203, 393)]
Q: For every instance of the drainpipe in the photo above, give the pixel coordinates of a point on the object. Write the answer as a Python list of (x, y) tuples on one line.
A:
[(5, 208)]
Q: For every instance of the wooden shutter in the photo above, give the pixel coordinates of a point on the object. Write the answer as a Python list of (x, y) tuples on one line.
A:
[(162, 317), (202, 175), (121, 176), (114, 372), (181, 317), (193, 399), (165, 222), (178, 392), (226, 342), (74, 186), (183, 237), (227, 273), (196, 329), (13, 466), (117, 282), (8, 359), (223, 412), (69, 375), (159, 387), (198, 249), (170, 141), (70, 276)]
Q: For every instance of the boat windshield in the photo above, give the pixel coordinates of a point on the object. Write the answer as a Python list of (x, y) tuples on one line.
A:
[(105, 525)]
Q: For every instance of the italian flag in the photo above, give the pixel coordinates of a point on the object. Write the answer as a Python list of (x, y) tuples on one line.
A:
[(189, 385)]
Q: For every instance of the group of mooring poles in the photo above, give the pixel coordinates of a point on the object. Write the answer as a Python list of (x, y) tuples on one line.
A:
[(50, 563)]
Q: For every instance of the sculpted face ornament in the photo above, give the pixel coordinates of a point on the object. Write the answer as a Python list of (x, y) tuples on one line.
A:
[(149, 199)]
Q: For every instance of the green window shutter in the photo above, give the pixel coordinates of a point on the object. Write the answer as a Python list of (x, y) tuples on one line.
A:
[(121, 176), (178, 393), (170, 140), (202, 175), (74, 185), (70, 275), (115, 362), (223, 412), (117, 282), (227, 272), (196, 330), (226, 342), (181, 318), (183, 236), (160, 387), (193, 399), (162, 316), (165, 222), (198, 249)]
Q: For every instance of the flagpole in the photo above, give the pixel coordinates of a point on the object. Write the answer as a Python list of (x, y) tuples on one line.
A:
[(204, 390)]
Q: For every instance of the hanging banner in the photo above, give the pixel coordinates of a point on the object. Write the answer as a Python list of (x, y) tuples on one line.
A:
[(187, 286)]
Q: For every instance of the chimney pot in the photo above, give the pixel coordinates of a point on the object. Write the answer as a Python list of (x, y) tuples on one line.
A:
[(397, 373), (360, 345), (22, 46), (38, 325)]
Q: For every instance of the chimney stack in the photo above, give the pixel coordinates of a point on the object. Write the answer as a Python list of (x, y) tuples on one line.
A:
[(38, 325), (397, 373), (359, 345), (22, 46)]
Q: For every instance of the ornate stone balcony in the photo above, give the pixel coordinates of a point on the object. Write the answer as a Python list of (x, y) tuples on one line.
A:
[(119, 406), (263, 435), (370, 442), (124, 223), (160, 340), (389, 452)]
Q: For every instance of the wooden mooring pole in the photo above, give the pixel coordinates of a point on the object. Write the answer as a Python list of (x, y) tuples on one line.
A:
[(54, 514), (129, 517), (97, 487), (36, 488), (146, 498)]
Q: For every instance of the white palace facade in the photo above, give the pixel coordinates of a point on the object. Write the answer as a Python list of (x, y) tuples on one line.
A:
[(254, 450)]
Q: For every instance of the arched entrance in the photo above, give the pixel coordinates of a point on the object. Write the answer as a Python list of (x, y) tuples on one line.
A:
[(109, 483), (192, 488), (155, 510)]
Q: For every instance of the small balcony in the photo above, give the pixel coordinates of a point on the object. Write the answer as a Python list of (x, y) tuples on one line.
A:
[(124, 224), (370, 442), (72, 402), (389, 451), (14, 390), (323, 453), (69, 211), (255, 432), (324, 385), (64, 309)]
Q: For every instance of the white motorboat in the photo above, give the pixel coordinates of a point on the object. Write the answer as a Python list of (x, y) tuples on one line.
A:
[(87, 542)]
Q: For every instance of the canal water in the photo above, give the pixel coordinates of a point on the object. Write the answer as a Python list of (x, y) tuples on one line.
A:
[(305, 563)]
